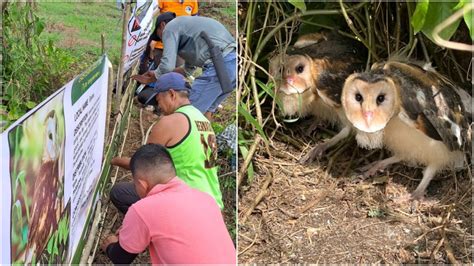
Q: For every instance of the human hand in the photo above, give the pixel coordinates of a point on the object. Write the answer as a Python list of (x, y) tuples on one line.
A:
[(116, 161), (123, 162), (146, 78), (107, 241)]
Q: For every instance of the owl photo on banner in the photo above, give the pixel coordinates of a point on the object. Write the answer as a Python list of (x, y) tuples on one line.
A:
[(37, 180)]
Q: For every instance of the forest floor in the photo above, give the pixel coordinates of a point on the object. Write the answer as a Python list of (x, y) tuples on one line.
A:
[(325, 213)]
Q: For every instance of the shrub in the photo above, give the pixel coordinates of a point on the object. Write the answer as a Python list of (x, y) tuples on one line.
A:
[(32, 68)]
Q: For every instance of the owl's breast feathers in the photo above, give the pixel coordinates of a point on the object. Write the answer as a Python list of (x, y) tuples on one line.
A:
[(336, 57), (45, 203), (431, 104)]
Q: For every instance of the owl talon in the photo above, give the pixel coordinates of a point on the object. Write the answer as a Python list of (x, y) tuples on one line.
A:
[(372, 169), (378, 166), (418, 195), (311, 128), (316, 152)]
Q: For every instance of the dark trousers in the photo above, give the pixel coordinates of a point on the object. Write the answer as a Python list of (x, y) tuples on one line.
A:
[(123, 195)]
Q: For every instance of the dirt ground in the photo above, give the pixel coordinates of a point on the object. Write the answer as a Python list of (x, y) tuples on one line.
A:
[(325, 213)]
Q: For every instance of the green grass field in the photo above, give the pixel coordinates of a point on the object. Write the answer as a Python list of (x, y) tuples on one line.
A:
[(78, 27)]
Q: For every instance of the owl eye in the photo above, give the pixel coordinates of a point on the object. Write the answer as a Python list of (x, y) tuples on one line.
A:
[(358, 97), (299, 69), (380, 98)]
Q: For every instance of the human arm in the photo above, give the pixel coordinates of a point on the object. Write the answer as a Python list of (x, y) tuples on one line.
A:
[(170, 39), (115, 252), (134, 235), (123, 162), (152, 48), (161, 133), (146, 78)]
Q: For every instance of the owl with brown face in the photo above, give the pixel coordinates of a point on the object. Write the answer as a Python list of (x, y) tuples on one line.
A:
[(309, 80), (417, 114), (46, 204)]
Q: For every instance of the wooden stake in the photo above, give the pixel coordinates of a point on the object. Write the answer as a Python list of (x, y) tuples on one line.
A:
[(110, 88), (118, 88), (102, 39)]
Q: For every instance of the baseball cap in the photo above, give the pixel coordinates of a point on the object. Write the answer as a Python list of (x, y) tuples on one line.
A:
[(171, 80), (167, 16)]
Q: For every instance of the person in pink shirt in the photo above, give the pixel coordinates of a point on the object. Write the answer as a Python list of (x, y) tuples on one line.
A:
[(178, 224)]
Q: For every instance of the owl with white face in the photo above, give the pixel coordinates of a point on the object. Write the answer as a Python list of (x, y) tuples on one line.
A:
[(417, 114), (309, 80), (46, 204)]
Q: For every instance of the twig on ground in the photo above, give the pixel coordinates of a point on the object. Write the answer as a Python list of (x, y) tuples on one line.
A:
[(259, 197), (315, 201), (248, 159), (141, 125), (249, 246)]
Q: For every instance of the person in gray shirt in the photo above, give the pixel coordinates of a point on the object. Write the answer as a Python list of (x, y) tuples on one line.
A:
[(182, 36)]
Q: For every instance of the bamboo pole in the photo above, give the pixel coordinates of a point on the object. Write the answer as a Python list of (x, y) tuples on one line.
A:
[(109, 102), (93, 231), (119, 84)]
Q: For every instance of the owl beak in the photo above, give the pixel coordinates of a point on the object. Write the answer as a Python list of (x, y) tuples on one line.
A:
[(368, 115)]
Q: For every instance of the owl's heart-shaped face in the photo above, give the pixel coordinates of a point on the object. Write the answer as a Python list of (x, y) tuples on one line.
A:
[(296, 75), (369, 101)]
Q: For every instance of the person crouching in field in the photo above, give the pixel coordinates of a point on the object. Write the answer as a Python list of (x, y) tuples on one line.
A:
[(178, 224), (201, 42), (187, 135), (154, 48)]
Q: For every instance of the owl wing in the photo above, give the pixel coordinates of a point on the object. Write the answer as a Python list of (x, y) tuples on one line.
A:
[(331, 80), (430, 104), (43, 219)]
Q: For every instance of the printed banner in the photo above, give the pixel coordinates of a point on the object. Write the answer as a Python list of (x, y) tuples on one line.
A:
[(51, 160), (139, 29)]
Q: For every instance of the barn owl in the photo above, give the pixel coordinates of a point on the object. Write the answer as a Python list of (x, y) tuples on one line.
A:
[(417, 114), (309, 80), (46, 205)]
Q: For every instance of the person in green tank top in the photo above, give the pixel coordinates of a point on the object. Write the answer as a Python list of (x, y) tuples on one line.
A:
[(188, 136)]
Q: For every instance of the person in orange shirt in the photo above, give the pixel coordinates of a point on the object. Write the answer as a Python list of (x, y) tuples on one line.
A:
[(154, 48)]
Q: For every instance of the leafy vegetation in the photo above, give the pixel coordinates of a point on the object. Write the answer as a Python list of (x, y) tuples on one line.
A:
[(429, 15), (32, 68), (57, 247), (46, 44)]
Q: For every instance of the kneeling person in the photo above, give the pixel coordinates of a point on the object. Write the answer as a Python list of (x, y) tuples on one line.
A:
[(178, 224), (187, 135)]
